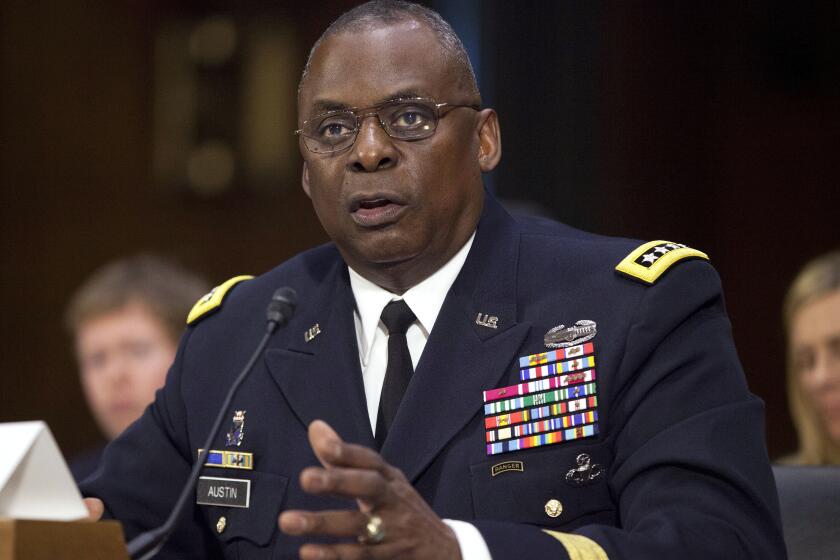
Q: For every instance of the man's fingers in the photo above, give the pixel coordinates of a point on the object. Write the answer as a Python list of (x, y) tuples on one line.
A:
[(95, 508), (324, 441), (331, 450), (338, 523), (350, 483)]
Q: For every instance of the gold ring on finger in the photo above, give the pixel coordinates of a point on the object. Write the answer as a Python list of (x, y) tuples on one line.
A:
[(374, 531)]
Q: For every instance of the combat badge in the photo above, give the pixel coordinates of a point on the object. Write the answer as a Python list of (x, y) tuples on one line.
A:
[(584, 472), (562, 336), (237, 431)]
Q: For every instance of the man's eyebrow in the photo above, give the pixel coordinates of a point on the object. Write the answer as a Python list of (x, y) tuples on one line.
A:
[(404, 94), (324, 105)]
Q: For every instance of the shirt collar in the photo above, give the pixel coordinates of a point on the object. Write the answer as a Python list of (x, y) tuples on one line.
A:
[(425, 299)]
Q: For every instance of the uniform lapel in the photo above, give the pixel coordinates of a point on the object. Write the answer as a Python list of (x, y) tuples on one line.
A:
[(462, 358), (322, 378)]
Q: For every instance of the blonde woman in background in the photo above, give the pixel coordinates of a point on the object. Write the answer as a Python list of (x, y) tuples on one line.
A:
[(812, 321)]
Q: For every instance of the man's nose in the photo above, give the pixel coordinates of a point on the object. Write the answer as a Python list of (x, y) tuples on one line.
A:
[(373, 150), (116, 370)]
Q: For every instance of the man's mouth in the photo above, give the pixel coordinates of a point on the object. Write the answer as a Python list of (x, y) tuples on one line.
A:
[(376, 211)]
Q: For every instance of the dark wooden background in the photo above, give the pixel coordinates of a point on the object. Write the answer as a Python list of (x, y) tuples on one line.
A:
[(712, 124)]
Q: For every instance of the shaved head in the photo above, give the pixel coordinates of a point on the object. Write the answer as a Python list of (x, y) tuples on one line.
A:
[(385, 13)]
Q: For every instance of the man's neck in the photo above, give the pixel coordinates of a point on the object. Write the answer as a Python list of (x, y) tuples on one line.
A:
[(399, 277)]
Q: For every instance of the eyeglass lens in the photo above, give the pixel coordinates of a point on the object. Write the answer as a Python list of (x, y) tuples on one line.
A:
[(402, 120)]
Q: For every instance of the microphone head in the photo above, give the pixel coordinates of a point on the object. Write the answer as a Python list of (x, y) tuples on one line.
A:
[(282, 306)]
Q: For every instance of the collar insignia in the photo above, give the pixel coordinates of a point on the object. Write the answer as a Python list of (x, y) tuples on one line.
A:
[(312, 332), (486, 320)]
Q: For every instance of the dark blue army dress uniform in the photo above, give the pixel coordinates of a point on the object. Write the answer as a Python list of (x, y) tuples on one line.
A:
[(640, 442)]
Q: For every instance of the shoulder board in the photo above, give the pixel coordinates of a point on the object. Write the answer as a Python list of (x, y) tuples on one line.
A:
[(651, 260), (213, 299)]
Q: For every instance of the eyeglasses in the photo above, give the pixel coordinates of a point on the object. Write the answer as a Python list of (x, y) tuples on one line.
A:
[(403, 119)]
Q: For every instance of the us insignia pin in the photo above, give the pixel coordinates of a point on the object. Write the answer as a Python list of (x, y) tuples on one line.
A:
[(562, 336), (237, 431), (312, 332), (487, 320)]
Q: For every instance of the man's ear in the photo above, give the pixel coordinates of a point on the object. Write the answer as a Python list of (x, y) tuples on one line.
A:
[(304, 179), (490, 140)]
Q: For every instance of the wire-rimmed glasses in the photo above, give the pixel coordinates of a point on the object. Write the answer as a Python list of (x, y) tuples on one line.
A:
[(409, 119)]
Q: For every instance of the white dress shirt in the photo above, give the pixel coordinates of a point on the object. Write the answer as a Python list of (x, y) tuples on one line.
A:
[(425, 300)]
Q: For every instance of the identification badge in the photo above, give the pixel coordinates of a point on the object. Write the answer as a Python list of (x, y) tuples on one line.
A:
[(229, 492)]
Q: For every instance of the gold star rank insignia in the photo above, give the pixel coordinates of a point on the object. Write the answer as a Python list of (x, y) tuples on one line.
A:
[(212, 300), (651, 260)]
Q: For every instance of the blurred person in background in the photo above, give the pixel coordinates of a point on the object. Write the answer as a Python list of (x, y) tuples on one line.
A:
[(812, 322), (125, 321)]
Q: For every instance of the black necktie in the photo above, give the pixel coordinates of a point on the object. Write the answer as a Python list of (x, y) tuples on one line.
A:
[(397, 317)]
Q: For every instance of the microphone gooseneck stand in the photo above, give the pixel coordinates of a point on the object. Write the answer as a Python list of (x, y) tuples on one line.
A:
[(146, 545)]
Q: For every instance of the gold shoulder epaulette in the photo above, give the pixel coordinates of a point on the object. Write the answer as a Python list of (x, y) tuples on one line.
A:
[(650, 261), (213, 299)]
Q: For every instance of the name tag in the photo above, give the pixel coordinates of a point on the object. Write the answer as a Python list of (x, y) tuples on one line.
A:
[(230, 492)]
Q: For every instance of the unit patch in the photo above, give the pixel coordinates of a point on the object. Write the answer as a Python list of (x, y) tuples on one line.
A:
[(507, 466), (556, 402), (651, 260), (236, 433)]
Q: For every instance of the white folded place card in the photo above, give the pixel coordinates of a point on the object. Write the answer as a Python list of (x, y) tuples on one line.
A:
[(35, 482)]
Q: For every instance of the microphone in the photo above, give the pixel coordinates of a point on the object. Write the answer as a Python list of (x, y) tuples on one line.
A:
[(282, 307), (146, 545)]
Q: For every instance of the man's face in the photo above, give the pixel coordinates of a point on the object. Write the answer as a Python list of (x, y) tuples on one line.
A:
[(394, 208), (123, 359)]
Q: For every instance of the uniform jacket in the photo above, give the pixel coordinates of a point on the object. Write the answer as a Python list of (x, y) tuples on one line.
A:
[(682, 467)]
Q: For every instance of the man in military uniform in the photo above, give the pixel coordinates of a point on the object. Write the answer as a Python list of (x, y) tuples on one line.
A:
[(455, 383)]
